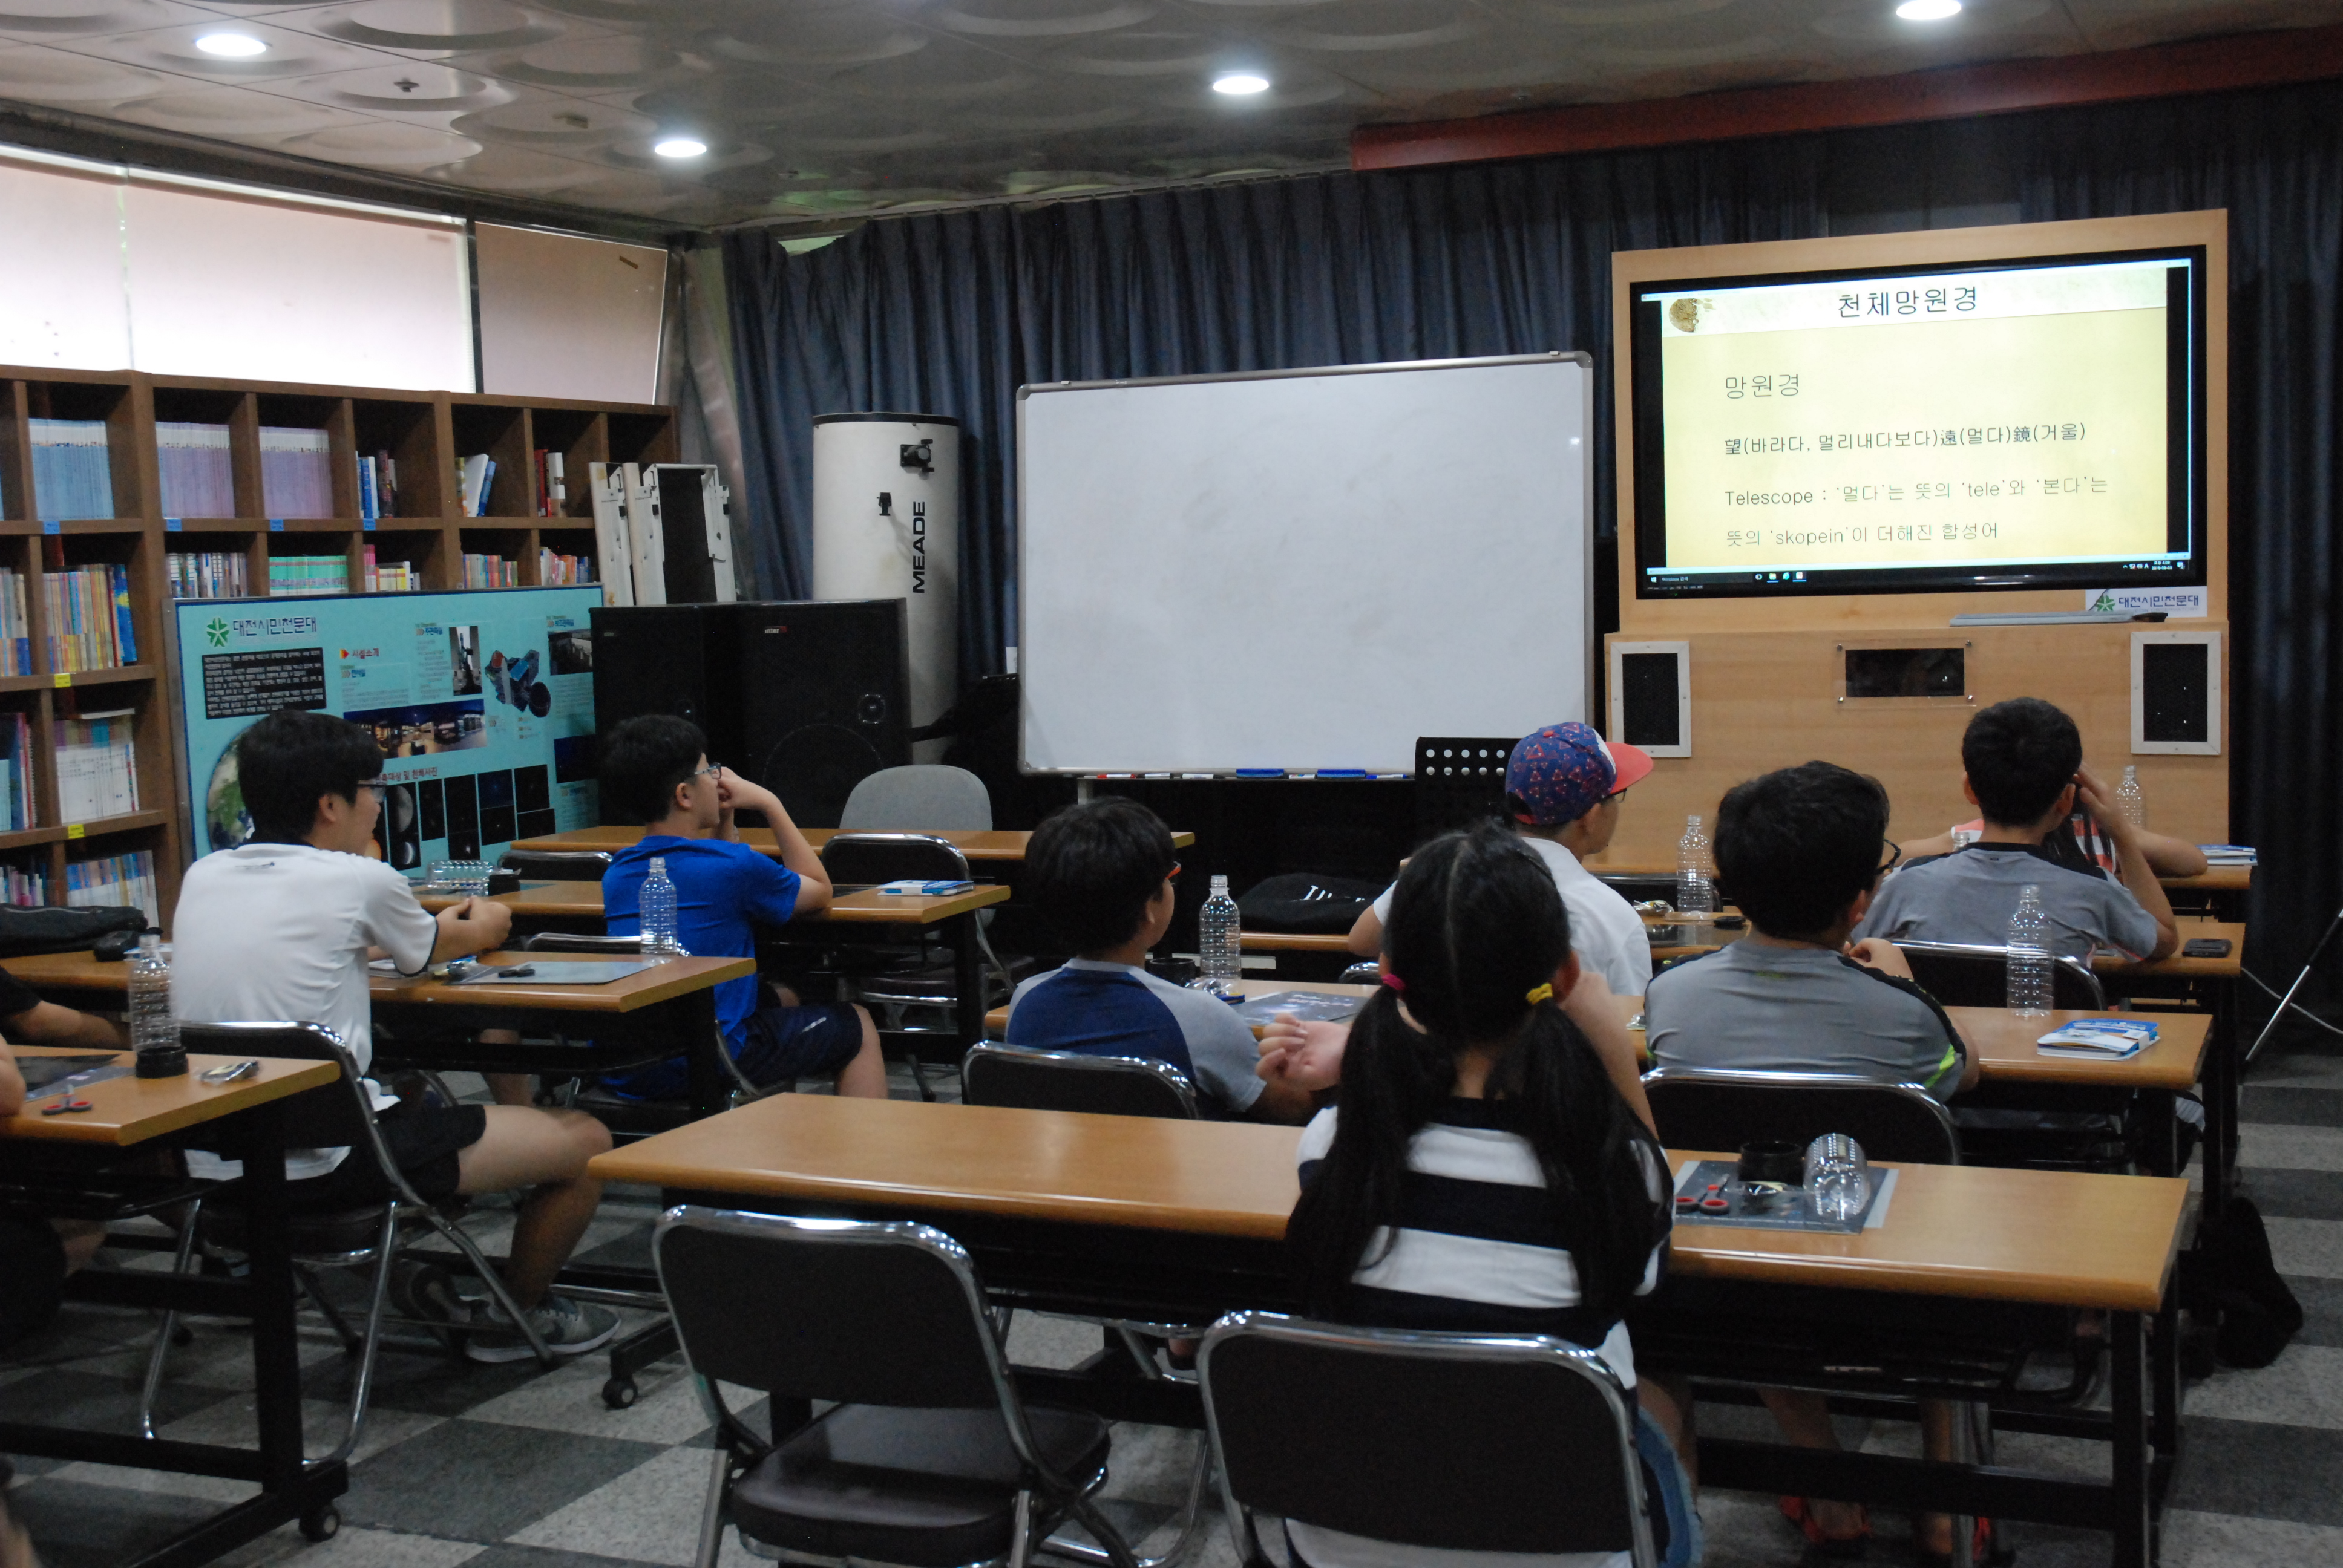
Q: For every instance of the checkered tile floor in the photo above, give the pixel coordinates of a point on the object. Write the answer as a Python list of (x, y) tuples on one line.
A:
[(503, 1467)]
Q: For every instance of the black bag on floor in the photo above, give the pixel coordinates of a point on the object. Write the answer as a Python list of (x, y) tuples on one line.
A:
[(1306, 903), (23, 931), (2230, 1282)]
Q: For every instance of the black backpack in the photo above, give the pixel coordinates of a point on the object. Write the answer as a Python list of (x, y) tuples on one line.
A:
[(2230, 1285), (26, 932), (1306, 903)]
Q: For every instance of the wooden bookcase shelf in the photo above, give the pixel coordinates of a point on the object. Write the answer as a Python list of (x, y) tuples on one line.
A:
[(426, 434)]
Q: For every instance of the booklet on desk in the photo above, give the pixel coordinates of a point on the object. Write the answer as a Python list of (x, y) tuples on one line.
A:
[(911, 887), (2104, 1037)]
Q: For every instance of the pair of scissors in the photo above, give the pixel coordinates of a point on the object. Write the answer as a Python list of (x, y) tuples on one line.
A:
[(65, 1107)]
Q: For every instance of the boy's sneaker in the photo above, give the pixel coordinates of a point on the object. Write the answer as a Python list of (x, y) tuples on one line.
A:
[(567, 1328)]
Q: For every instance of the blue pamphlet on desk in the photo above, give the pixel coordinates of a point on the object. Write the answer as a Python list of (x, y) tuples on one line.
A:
[(1309, 1006), (47, 1075), (1766, 1206), (544, 973)]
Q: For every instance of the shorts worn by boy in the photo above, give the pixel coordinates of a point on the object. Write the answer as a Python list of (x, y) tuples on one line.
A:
[(723, 891), (1605, 932), (1748, 1007), (1969, 895), (1118, 1010)]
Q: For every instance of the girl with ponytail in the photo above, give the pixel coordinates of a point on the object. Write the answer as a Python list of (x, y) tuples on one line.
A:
[(1489, 1168)]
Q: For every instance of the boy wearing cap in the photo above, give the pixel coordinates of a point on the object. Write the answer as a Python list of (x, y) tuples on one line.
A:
[(1564, 788)]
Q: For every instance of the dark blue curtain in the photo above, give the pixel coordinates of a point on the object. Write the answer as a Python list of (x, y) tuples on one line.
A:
[(949, 314)]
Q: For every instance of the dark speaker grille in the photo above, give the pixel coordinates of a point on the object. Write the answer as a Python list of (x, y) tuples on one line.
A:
[(1649, 692), (2175, 692)]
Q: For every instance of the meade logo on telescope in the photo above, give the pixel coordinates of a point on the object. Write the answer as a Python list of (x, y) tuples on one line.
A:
[(919, 547)]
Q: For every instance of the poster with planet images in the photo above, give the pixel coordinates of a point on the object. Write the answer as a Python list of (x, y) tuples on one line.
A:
[(482, 703)]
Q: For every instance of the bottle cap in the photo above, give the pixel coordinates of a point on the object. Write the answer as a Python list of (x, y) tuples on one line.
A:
[(1219, 884), (150, 944)]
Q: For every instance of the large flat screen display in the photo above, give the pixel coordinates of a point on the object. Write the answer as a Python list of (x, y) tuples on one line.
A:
[(2027, 424)]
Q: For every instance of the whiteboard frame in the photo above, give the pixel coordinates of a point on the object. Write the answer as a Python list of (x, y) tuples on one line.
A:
[(1590, 664)]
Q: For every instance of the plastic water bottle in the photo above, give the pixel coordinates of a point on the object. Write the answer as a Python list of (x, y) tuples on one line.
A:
[(1219, 935), (154, 1029), (1696, 872), (2029, 956), (2128, 798), (661, 938)]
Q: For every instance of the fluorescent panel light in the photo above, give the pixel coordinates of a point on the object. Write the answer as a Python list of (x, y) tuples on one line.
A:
[(231, 45), (1241, 84), (1928, 10), (678, 146)]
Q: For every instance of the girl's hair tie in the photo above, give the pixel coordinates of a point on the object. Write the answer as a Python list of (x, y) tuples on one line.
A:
[(1541, 993), (1394, 981)]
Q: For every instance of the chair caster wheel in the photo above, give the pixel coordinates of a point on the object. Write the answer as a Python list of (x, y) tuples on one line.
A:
[(620, 1392), (322, 1525)]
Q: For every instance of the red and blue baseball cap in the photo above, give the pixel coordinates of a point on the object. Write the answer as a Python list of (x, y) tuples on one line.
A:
[(1561, 771)]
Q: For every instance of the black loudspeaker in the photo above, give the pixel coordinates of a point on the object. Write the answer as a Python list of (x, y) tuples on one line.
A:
[(1460, 782), (825, 700), (682, 658), (2175, 690), (1648, 693)]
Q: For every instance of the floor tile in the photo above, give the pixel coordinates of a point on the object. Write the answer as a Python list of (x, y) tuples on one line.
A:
[(2262, 1470), (2322, 1309), (2194, 1540), (231, 1423), (2295, 1194), (650, 1514), (61, 1397), (570, 1399), (476, 1481), (2313, 1247), (2290, 1147), (2291, 1107), (2303, 1388), (74, 1526)]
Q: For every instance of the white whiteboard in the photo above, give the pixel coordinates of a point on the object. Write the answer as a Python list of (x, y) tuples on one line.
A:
[(1302, 570)]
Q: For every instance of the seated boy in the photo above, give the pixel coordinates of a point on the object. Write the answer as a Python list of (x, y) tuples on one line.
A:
[(655, 771), (2025, 759), (1101, 874), (283, 927), (1563, 789), (1800, 850)]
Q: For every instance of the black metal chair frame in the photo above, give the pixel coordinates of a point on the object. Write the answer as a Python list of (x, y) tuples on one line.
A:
[(1531, 1353), (738, 1449), (1180, 1095), (2067, 974), (556, 865), (1909, 1097), (311, 1042)]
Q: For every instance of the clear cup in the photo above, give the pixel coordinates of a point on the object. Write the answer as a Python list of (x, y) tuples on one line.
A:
[(1839, 1177), (467, 877)]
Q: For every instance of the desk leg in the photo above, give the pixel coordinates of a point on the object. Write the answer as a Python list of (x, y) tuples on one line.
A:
[(275, 1344), (2129, 1486), (2220, 1105), (2164, 1418), (967, 981), (710, 1084), (2163, 1149)]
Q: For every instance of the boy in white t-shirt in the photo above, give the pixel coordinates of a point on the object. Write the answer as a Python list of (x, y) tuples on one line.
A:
[(284, 926), (1563, 789)]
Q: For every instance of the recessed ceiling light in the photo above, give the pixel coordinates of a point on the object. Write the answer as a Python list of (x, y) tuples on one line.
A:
[(1241, 84), (1928, 10), (231, 45), (678, 146)]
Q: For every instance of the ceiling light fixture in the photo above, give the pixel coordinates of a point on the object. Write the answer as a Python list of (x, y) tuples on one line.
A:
[(231, 45), (1241, 84), (1928, 10), (678, 146)]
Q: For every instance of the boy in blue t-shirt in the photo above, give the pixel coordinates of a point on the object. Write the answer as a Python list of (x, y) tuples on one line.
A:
[(1099, 874), (655, 769)]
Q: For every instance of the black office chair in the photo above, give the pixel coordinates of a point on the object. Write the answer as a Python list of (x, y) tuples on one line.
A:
[(555, 865), (1332, 1427), (1029, 1079), (340, 1116), (1711, 1107), (929, 1457), (903, 980), (1366, 972), (1964, 974)]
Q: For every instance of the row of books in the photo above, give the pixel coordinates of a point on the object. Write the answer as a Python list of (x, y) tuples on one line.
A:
[(377, 488), (206, 574), (295, 576), (72, 474), (491, 571), (16, 772), (556, 570), (296, 472), (90, 625), (23, 887), (15, 625), (115, 881), (98, 767), (192, 459), (391, 577), (474, 475), (552, 484)]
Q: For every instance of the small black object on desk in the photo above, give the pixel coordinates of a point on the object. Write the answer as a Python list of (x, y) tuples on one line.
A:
[(1774, 1161), (162, 1061)]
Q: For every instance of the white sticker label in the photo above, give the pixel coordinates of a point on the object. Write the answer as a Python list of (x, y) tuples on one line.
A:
[(2181, 604)]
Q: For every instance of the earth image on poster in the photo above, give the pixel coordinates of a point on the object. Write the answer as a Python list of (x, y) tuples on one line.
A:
[(226, 821)]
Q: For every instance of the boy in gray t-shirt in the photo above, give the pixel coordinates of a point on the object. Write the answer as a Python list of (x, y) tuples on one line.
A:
[(2024, 770)]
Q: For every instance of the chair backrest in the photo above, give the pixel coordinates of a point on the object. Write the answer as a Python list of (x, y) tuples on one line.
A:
[(1467, 1443), (1639, 886), (867, 857), (1366, 972), (1960, 974), (1030, 1079), (1711, 1107), (846, 1309), (923, 795), (342, 1117), (556, 865), (576, 942)]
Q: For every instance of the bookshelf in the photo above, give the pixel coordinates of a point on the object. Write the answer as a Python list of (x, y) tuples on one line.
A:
[(271, 429)]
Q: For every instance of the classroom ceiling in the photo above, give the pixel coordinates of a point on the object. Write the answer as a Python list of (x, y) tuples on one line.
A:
[(824, 108)]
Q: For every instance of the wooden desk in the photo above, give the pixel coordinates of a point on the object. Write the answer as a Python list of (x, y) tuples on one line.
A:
[(543, 902), (989, 844), (247, 1118), (2179, 968)]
